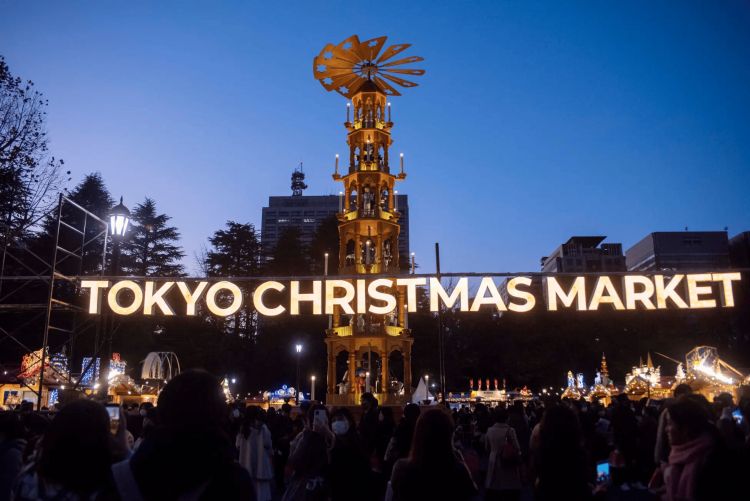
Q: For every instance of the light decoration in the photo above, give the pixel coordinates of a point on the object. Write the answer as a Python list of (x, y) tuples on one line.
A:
[(571, 391), (90, 376), (116, 367), (53, 397), (706, 369)]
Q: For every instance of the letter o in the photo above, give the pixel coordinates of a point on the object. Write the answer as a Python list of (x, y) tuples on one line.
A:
[(211, 299), (115, 290)]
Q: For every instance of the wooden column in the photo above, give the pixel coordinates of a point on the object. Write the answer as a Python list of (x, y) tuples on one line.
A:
[(331, 371), (407, 371), (352, 370), (384, 386)]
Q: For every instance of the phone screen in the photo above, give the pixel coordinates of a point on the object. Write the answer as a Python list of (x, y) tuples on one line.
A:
[(602, 472), (737, 415), (114, 417)]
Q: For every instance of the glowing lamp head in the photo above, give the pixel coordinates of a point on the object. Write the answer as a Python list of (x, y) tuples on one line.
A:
[(119, 219), (298, 348), (312, 377)]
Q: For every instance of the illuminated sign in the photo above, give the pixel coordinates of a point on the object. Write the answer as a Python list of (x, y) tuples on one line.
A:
[(381, 296)]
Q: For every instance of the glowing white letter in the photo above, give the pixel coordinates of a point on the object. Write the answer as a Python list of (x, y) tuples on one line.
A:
[(258, 299), (528, 297), (577, 291), (211, 299), (191, 297), (94, 285), (115, 290), (313, 297)]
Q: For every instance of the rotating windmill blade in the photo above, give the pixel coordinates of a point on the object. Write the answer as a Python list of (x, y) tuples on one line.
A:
[(345, 67)]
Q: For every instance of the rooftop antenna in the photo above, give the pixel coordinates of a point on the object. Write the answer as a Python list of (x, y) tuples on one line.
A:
[(298, 181)]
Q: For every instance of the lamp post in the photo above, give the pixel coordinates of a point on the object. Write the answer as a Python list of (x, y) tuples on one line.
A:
[(427, 386), (312, 387), (298, 349), (119, 220)]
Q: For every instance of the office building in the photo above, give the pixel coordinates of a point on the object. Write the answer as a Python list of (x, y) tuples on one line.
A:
[(306, 212), (680, 251), (584, 254), (739, 250)]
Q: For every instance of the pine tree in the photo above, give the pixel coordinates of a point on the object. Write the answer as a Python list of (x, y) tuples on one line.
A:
[(289, 257), (235, 252), (325, 240), (150, 249), (91, 194)]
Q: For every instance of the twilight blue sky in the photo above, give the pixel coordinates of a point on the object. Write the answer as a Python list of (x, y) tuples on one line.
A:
[(534, 122)]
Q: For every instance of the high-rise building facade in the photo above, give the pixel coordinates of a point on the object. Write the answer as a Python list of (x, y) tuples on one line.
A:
[(306, 212), (680, 250), (585, 254)]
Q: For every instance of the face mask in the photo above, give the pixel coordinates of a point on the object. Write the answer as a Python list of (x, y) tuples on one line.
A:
[(340, 427), (235, 413)]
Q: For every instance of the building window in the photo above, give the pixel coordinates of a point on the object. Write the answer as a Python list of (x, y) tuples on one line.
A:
[(308, 220), (282, 220)]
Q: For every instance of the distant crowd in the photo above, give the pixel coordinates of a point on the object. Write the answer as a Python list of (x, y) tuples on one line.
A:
[(193, 446)]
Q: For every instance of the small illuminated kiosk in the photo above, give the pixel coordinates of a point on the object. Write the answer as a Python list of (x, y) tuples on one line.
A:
[(365, 75)]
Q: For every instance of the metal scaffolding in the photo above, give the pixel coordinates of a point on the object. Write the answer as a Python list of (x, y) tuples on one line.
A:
[(48, 287)]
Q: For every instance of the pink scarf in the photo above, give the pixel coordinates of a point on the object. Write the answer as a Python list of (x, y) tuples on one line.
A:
[(684, 463)]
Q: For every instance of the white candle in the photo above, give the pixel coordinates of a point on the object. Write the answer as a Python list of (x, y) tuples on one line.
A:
[(341, 201), (395, 199), (402, 163), (347, 112), (337, 163), (389, 112)]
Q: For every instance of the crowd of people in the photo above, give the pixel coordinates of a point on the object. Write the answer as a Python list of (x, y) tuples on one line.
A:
[(192, 446)]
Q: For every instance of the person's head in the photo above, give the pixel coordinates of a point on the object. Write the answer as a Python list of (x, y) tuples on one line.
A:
[(724, 400), (687, 419), (75, 450), (11, 427), (192, 401), (385, 415), (368, 401), (253, 419), (432, 444), (682, 389), (342, 422), (411, 412), (286, 409), (144, 407), (500, 414), (559, 428)]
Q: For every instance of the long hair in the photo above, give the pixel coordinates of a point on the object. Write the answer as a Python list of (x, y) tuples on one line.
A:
[(432, 445), (252, 414), (76, 449)]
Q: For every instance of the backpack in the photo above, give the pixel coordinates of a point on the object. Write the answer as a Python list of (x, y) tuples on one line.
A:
[(510, 457)]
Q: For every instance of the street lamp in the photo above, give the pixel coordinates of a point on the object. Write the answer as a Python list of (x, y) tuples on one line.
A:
[(298, 349), (312, 388), (119, 220), (427, 385)]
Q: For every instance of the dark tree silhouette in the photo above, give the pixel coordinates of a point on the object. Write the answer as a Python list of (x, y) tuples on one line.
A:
[(151, 248), (326, 239), (30, 178), (289, 257), (235, 252)]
